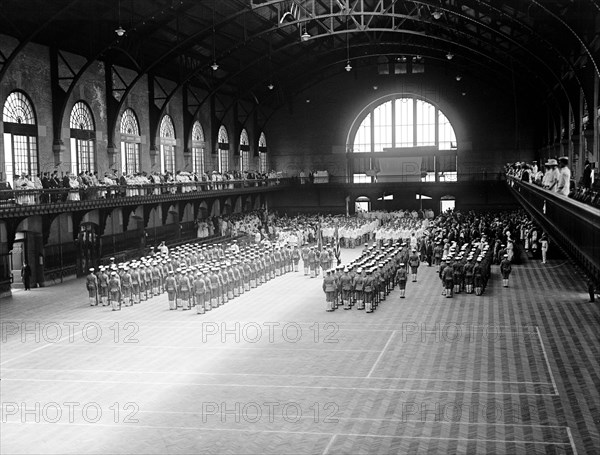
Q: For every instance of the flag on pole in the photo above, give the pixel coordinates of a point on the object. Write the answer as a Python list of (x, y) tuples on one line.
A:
[(336, 244), (319, 237)]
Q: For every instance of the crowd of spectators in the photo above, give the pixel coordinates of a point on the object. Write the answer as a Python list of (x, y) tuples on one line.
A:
[(50, 187), (555, 175)]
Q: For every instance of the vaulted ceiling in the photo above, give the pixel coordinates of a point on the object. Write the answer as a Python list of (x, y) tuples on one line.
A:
[(268, 47)]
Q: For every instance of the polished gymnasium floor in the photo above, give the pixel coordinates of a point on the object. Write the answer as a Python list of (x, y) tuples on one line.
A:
[(515, 371)]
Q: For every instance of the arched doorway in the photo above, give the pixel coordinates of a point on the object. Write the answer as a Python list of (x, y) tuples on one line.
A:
[(362, 204), (202, 210), (447, 202), (227, 207), (88, 245)]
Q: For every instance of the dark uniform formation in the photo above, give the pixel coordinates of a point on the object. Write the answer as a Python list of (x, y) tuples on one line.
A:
[(466, 269), (204, 277), (367, 281)]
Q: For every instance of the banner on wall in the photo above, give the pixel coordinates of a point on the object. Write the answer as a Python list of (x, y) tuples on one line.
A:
[(399, 169)]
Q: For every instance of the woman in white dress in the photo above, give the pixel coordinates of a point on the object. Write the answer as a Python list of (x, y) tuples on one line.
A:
[(74, 189)]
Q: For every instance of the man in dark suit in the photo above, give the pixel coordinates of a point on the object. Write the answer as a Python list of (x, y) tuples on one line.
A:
[(54, 185), (26, 276), (46, 186)]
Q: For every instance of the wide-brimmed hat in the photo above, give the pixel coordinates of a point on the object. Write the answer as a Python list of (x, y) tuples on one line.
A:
[(551, 162)]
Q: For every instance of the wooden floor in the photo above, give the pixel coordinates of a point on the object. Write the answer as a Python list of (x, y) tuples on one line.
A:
[(514, 371)]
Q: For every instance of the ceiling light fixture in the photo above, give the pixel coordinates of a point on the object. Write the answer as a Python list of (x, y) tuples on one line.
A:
[(458, 77), (437, 14), (449, 55), (120, 31), (305, 36), (215, 65), (348, 67), (270, 86)]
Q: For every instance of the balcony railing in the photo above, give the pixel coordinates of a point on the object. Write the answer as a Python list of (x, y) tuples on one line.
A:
[(20, 200), (385, 179), (573, 224)]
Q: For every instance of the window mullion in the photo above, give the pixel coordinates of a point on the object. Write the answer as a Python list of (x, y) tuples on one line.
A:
[(394, 122), (415, 121)]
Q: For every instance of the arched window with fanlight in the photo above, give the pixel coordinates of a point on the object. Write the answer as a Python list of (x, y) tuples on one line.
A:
[(167, 145), (20, 136), (83, 138), (130, 142), (244, 151), (263, 158), (395, 129), (223, 145), (198, 148)]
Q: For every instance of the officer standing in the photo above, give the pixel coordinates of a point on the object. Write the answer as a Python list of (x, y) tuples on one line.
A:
[(114, 291), (171, 287), (359, 286), (346, 288), (126, 285), (91, 283), (505, 269), (369, 290), (478, 277), (401, 276), (414, 262), (448, 275), (329, 290)]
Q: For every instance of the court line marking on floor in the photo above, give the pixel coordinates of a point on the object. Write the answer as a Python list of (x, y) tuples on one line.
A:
[(542, 268), (329, 444), (359, 419), (178, 324), (547, 362), (218, 348), (572, 441), (314, 433), (381, 354), (69, 335), (307, 376), (276, 386)]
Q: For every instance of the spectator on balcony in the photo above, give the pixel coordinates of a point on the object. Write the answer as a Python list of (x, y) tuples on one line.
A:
[(525, 173), (587, 179), (73, 184), (564, 178), (23, 183), (550, 179), (108, 181)]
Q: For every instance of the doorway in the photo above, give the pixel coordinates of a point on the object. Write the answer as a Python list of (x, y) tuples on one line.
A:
[(18, 257), (447, 203), (362, 204)]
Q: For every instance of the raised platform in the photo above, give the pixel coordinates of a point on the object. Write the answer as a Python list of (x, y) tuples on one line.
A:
[(514, 371)]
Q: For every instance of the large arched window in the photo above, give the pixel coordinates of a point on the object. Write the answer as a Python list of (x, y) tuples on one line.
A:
[(198, 147), (20, 136), (263, 158), (167, 145), (130, 143), (392, 125), (83, 136), (223, 140), (244, 151)]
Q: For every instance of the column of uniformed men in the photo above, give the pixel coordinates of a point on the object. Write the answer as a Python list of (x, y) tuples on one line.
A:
[(191, 275), (466, 269), (369, 279)]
